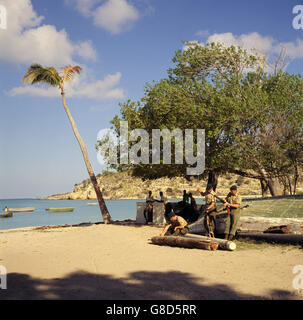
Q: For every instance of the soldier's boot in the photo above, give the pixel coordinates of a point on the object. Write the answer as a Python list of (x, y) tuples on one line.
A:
[(231, 237), (226, 236)]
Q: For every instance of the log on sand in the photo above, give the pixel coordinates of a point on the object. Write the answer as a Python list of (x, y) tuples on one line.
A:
[(277, 238), (185, 242), (223, 244)]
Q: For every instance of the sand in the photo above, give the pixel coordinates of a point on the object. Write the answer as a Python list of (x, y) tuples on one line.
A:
[(118, 262)]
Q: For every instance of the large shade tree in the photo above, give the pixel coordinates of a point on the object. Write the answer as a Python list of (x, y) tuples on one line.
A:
[(202, 91), (229, 92), (37, 74)]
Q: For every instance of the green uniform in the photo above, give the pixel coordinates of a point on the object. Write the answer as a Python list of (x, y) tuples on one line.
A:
[(209, 199), (234, 217), (179, 232), (209, 219), (148, 211)]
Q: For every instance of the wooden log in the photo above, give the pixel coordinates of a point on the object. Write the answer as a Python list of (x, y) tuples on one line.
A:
[(185, 242), (279, 230), (223, 244), (278, 238)]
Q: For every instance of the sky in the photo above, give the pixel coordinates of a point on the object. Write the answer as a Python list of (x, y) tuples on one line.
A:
[(121, 45)]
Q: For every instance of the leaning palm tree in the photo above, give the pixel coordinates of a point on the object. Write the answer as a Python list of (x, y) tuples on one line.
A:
[(50, 76)]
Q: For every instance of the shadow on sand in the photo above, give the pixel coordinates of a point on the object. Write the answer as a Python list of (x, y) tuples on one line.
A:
[(137, 286)]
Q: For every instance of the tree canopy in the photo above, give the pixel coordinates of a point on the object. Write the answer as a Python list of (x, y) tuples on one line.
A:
[(252, 117)]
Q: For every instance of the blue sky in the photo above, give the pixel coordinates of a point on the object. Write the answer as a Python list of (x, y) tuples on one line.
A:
[(121, 45)]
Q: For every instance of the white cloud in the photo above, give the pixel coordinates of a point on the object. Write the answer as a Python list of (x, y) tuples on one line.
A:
[(264, 44), (102, 89), (203, 33), (81, 87), (115, 16), (247, 41), (34, 92), (86, 50), (26, 40), (83, 6), (294, 49)]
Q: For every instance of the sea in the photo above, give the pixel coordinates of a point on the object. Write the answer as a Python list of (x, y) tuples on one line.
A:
[(119, 209)]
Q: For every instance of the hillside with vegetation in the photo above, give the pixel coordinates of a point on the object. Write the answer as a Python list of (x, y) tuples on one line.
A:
[(122, 185)]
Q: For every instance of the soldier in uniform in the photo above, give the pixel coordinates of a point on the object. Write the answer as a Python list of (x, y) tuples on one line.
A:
[(233, 202), (193, 202), (210, 210), (148, 211), (177, 226), (163, 199), (185, 197)]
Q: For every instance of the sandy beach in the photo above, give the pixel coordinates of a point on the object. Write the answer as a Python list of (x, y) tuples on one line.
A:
[(118, 262)]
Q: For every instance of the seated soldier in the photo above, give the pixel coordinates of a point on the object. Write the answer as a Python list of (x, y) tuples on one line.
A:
[(177, 226)]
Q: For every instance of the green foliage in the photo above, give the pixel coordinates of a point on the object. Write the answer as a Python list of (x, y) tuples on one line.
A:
[(253, 119), (49, 75)]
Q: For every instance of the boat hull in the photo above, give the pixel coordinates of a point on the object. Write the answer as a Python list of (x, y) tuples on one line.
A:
[(21, 209), (58, 210), (8, 215)]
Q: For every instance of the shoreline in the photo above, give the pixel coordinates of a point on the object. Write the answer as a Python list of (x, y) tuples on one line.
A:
[(136, 199), (127, 223), (244, 197)]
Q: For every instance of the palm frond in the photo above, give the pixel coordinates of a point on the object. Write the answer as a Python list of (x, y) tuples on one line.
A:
[(70, 71), (37, 74)]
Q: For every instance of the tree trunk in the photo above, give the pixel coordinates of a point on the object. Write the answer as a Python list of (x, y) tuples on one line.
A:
[(105, 214), (296, 178), (289, 186), (272, 183), (264, 187), (274, 187), (213, 179)]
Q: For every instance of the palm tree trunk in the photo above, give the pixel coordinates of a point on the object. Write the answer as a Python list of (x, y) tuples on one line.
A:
[(105, 214)]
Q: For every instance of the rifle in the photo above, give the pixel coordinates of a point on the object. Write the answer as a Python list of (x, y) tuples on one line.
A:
[(246, 206), (227, 208), (223, 201)]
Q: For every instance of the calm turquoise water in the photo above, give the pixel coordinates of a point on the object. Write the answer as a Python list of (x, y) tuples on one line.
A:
[(119, 210)]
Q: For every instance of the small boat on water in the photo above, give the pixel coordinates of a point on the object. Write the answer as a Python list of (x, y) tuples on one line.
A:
[(54, 210), (6, 215), (29, 209), (93, 204)]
